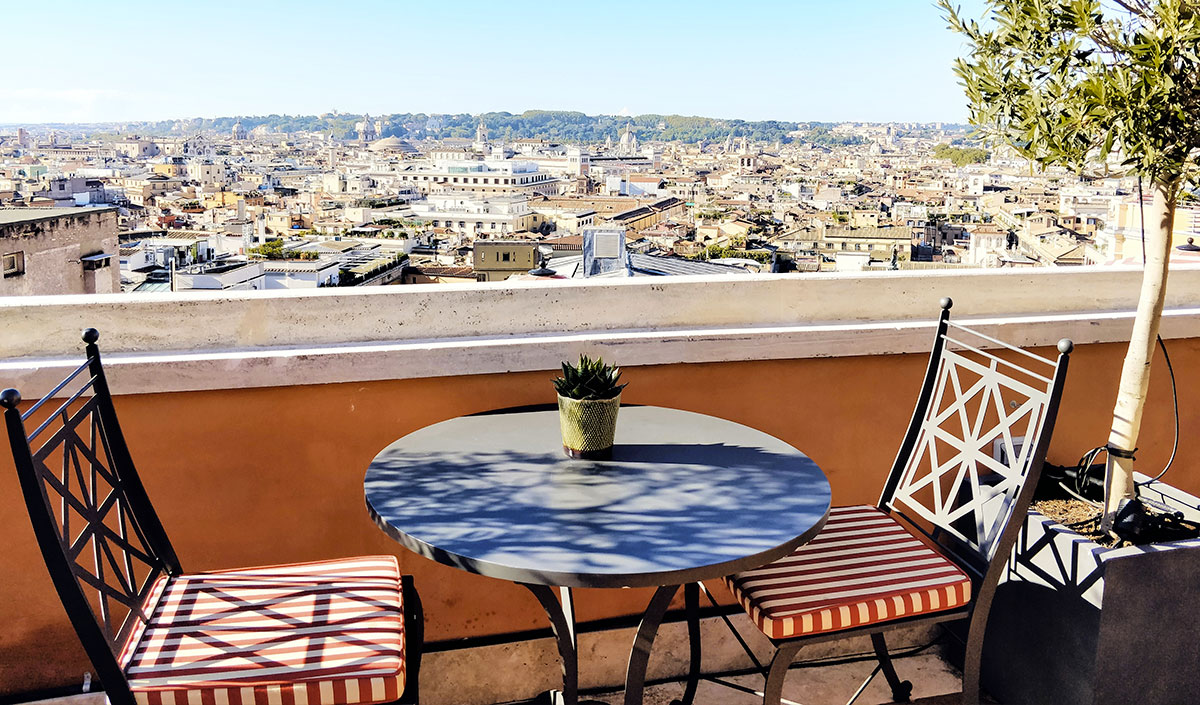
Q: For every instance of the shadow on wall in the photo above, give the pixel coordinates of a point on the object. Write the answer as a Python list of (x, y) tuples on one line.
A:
[(1076, 623)]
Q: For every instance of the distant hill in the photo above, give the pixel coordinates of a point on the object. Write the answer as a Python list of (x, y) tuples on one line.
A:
[(554, 125)]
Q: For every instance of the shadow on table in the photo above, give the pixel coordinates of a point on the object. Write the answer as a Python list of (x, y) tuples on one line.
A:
[(655, 508)]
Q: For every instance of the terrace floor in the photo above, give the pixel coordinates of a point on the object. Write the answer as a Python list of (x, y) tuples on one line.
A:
[(935, 682)]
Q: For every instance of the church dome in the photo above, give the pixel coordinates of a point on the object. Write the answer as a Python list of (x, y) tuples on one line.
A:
[(390, 144)]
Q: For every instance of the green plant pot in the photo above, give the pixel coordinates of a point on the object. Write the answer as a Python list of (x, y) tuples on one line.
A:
[(588, 426)]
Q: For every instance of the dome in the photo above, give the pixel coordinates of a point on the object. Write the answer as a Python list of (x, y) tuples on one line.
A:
[(392, 144)]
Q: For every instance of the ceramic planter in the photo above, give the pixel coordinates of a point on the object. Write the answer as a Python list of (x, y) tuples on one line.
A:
[(1074, 622), (588, 426)]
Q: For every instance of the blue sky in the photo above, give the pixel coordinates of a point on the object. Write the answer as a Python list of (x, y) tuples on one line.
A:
[(870, 60)]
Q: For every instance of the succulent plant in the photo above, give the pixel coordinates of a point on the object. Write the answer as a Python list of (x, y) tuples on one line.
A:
[(590, 379)]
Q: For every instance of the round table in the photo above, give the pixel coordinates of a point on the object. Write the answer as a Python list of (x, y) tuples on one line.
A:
[(686, 497)]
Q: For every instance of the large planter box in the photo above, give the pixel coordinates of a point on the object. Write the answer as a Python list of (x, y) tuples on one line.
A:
[(1076, 623)]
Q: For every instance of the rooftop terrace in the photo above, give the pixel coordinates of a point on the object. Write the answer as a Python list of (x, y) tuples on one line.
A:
[(252, 417)]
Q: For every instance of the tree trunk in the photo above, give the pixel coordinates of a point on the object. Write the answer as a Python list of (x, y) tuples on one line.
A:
[(1135, 373)]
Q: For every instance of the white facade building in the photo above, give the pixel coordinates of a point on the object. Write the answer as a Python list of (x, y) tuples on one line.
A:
[(239, 276), (490, 177), (300, 274), (470, 213)]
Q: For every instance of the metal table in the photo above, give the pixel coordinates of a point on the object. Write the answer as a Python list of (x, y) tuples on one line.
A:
[(686, 497)]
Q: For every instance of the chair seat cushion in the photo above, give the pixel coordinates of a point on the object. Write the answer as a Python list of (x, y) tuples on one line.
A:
[(862, 568), (323, 633)]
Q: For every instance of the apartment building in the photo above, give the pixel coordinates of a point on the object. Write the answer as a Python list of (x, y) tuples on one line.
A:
[(59, 251)]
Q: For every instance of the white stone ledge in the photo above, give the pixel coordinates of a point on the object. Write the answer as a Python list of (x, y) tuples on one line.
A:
[(362, 362), (49, 326), (222, 340)]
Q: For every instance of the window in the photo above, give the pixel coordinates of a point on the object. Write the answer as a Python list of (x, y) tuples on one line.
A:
[(506, 257), (14, 264)]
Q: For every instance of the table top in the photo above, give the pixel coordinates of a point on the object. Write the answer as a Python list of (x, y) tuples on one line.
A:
[(685, 497)]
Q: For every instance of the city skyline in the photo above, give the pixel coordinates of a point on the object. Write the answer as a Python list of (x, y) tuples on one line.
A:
[(874, 62)]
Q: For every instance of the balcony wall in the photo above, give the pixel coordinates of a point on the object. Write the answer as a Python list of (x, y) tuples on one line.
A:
[(253, 417)]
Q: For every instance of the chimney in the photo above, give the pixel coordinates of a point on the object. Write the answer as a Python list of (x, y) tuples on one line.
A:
[(604, 251)]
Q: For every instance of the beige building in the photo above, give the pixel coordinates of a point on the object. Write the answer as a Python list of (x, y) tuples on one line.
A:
[(141, 190), (173, 168), (648, 215), (876, 242), (1121, 234), (865, 219), (565, 218), (59, 251), (497, 260)]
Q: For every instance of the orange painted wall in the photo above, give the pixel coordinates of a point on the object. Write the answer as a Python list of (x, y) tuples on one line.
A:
[(274, 475)]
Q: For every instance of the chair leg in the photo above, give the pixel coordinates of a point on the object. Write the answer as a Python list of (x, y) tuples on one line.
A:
[(901, 690), (972, 659), (777, 672), (414, 640)]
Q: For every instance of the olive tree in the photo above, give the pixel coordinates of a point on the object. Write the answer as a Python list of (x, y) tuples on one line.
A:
[(1101, 87)]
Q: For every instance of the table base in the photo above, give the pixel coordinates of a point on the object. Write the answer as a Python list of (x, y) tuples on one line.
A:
[(561, 611)]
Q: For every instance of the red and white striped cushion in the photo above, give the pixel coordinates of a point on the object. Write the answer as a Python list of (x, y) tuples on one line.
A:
[(323, 633), (863, 568)]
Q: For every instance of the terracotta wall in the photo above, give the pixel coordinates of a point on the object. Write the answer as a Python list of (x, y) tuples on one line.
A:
[(275, 475)]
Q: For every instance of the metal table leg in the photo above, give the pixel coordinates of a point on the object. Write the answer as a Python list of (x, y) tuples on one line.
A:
[(639, 656), (562, 622), (691, 602)]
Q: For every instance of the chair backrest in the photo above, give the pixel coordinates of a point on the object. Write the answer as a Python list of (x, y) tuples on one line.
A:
[(975, 447), (101, 540)]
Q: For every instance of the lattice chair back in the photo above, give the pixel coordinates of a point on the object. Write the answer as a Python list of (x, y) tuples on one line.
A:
[(974, 450), (102, 542)]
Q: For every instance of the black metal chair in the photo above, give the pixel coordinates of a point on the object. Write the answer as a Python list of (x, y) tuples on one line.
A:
[(324, 633), (935, 546)]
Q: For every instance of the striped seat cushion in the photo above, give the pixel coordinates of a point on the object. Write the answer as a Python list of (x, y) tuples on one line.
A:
[(323, 633), (863, 568)]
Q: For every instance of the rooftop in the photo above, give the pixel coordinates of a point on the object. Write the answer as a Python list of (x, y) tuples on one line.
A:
[(11, 216)]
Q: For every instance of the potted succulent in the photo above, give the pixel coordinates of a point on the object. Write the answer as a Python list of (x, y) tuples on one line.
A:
[(589, 398)]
